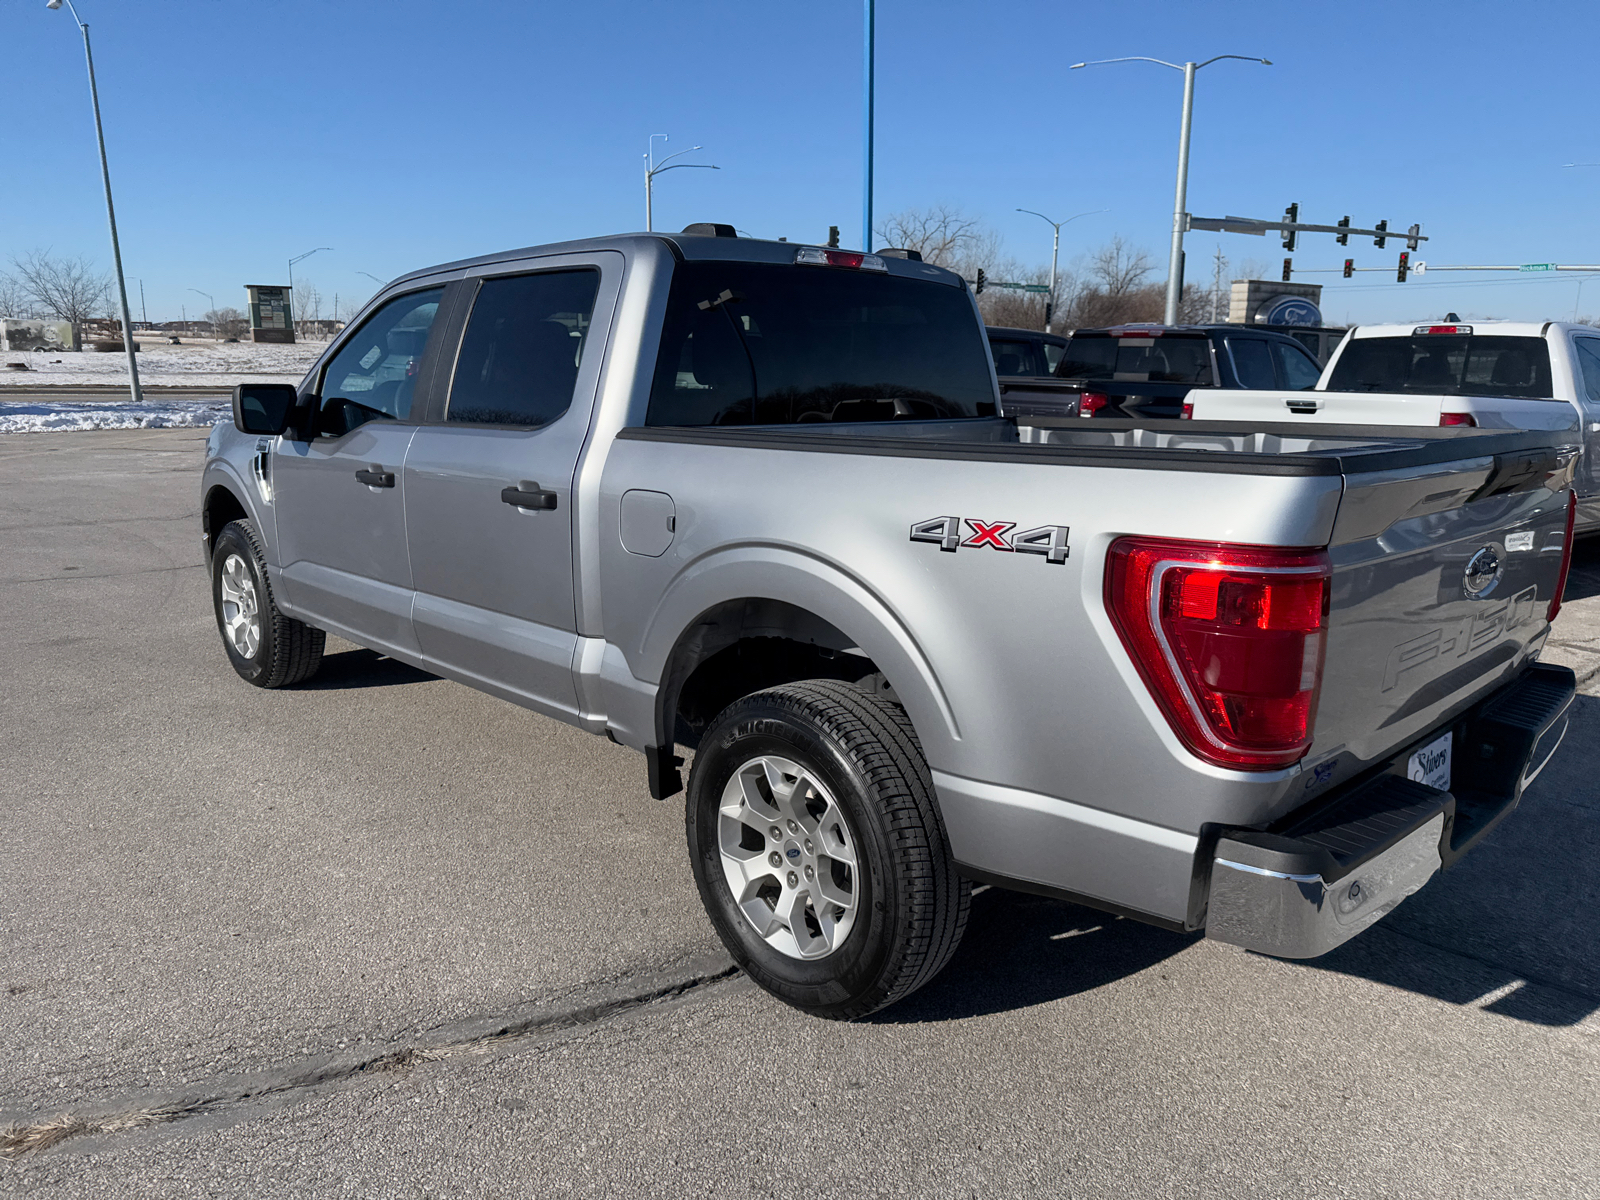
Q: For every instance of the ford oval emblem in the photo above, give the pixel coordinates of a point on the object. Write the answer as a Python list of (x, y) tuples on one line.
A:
[(794, 853), (1482, 573)]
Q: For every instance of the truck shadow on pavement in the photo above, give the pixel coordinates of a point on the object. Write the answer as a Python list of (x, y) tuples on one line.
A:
[(1509, 930), (1583, 579), (1021, 950), (362, 669)]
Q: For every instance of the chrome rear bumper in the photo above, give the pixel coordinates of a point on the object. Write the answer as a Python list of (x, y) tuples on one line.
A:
[(1324, 877)]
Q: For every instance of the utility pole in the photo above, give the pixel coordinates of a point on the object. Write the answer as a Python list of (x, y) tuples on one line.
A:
[(144, 314), (1216, 287), (653, 168)]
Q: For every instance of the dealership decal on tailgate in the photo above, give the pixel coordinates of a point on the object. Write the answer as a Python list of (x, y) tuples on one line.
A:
[(948, 534), (1431, 764)]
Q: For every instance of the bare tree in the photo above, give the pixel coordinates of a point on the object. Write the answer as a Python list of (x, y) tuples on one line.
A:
[(307, 302), (14, 298), (943, 236), (226, 322), (68, 288)]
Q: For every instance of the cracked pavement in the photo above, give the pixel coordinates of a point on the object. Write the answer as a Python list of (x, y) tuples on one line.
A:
[(386, 936)]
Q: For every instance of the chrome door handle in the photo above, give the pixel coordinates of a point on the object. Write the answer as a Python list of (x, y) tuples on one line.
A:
[(528, 494), (377, 477)]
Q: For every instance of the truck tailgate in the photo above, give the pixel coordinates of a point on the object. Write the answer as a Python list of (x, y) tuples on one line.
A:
[(1379, 408), (1443, 577)]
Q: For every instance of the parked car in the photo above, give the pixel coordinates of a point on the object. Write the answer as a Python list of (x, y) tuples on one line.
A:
[(1025, 352), (1501, 374), (753, 499), (1149, 370)]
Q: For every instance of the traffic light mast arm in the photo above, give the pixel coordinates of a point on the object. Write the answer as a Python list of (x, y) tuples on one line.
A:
[(1259, 228)]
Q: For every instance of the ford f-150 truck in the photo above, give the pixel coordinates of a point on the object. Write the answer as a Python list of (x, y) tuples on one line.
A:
[(1505, 374), (753, 500)]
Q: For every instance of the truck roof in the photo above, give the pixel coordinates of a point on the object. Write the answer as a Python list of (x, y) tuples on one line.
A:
[(1494, 328), (685, 246)]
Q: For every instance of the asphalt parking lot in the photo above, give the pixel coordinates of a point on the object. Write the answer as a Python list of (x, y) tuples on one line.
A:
[(385, 936)]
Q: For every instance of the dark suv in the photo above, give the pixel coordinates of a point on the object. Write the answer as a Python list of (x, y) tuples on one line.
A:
[(1025, 352), (1148, 370)]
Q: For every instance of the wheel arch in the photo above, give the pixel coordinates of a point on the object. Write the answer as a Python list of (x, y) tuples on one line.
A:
[(764, 616)]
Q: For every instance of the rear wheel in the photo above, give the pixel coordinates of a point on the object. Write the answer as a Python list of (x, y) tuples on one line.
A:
[(818, 849), (265, 647)]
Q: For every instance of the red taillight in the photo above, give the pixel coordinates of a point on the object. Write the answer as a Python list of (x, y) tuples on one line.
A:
[(816, 256), (1188, 412), (1458, 419), (1426, 329), (1090, 403), (1566, 558), (1229, 640)]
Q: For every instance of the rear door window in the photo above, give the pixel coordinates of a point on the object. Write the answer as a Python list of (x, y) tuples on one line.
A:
[(1135, 359), (1052, 357), (1589, 364), (1252, 363), (1445, 364), (1298, 371), (1012, 357), (519, 358), (779, 344)]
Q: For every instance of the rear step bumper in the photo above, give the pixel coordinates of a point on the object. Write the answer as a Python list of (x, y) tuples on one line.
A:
[(1299, 891)]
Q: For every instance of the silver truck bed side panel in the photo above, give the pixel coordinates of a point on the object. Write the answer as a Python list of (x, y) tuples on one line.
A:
[(1007, 664)]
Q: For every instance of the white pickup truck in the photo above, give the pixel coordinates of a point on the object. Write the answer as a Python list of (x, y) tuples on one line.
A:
[(1490, 374)]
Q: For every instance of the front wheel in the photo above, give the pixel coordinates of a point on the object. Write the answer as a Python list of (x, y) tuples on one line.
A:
[(818, 849), (266, 647)]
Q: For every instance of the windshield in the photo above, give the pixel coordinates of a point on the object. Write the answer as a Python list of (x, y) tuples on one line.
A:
[(1163, 359), (1445, 364), (777, 344)]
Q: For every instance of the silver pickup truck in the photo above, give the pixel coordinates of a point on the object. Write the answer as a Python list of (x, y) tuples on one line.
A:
[(751, 500)]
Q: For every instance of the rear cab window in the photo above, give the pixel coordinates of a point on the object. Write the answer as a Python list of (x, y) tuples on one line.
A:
[(1137, 358), (1453, 364), (781, 344), (1012, 357)]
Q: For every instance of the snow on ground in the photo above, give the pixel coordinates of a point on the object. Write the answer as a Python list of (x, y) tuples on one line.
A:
[(56, 416), (191, 364)]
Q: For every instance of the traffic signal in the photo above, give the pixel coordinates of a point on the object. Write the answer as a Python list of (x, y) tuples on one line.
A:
[(1379, 241), (1288, 267), (1413, 235), (982, 279), (1405, 265), (1344, 238), (833, 236), (1291, 216), (1349, 267)]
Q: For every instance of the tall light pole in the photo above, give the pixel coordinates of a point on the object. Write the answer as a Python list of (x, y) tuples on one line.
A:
[(652, 168), (111, 213), (868, 51), (209, 300), (1179, 215), (1055, 250), (298, 257)]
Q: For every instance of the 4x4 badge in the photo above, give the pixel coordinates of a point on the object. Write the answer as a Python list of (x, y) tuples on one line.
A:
[(947, 533)]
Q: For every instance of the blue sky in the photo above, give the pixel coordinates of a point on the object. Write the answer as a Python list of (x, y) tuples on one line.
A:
[(404, 133)]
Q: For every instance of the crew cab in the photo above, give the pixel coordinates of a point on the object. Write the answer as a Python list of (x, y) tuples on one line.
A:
[(753, 500), (1149, 370), (1500, 374)]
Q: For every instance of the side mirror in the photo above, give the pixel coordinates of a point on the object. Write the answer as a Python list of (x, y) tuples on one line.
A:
[(263, 407)]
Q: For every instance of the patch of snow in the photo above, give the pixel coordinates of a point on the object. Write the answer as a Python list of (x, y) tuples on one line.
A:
[(66, 416), (191, 364)]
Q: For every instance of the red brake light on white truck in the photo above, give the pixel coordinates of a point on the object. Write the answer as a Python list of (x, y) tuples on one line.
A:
[(814, 256), (1229, 640), (1457, 419), (1420, 330), (1090, 403)]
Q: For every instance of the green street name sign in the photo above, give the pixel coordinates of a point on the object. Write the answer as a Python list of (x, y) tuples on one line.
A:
[(1537, 267)]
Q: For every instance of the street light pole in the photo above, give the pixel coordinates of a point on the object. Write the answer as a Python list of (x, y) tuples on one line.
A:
[(111, 213), (210, 300), (869, 54), (653, 168), (294, 303), (1180, 217), (1055, 250)]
